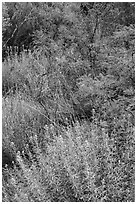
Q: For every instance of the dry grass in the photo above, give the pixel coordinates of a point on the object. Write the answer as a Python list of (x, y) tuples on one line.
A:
[(56, 160)]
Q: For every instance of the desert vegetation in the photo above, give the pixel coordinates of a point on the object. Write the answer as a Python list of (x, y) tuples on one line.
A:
[(68, 102)]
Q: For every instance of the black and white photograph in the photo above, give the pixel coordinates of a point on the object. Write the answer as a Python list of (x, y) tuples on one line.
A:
[(68, 101)]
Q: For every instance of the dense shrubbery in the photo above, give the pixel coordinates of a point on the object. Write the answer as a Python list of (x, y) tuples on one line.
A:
[(68, 102), (81, 164)]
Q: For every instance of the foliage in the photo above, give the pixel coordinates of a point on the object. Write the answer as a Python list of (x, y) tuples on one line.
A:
[(79, 165), (68, 86)]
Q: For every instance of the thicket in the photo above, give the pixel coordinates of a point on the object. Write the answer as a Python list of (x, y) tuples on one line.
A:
[(68, 106)]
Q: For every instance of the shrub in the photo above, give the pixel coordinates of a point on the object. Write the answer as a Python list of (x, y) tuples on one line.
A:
[(22, 117), (79, 165)]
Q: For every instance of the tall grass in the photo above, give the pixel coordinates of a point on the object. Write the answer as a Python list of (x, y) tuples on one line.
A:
[(55, 160), (78, 165)]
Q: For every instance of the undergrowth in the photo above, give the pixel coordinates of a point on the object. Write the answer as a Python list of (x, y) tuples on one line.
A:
[(80, 164), (68, 102)]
